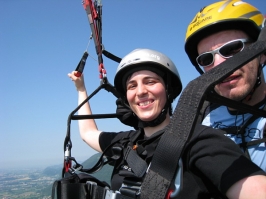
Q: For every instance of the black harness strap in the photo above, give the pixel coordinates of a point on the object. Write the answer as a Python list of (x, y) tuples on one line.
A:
[(203, 112), (254, 142), (82, 191), (111, 56), (81, 186), (135, 162), (171, 145)]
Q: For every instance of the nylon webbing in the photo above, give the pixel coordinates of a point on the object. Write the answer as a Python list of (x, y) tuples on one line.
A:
[(171, 145), (111, 56), (132, 157)]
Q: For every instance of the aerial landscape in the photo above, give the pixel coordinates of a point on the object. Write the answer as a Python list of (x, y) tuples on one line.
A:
[(38, 183)]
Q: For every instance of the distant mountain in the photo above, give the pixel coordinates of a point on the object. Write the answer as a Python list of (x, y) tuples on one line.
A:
[(53, 170), (104, 174)]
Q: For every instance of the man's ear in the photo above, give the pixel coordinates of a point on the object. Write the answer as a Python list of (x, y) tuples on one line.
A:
[(263, 58)]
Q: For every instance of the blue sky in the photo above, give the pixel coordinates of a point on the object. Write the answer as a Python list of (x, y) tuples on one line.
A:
[(42, 41)]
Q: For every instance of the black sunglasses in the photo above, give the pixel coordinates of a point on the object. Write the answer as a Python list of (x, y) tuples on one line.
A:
[(226, 51)]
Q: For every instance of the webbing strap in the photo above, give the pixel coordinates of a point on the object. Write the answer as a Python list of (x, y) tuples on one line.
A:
[(111, 56), (171, 145), (81, 191), (253, 142), (135, 162)]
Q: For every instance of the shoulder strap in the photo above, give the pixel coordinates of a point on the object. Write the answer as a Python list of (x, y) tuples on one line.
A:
[(207, 107), (203, 112), (171, 145), (250, 121), (135, 162), (241, 131)]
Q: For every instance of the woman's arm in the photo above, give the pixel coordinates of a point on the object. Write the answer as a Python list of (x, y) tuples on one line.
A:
[(87, 128)]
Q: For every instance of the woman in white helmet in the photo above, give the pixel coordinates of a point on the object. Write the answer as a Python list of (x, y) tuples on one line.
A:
[(148, 82), (151, 104)]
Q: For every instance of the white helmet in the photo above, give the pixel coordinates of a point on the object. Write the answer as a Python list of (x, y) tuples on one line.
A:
[(146, 59)]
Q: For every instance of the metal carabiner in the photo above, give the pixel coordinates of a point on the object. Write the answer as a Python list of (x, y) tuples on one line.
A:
[(178, 181)]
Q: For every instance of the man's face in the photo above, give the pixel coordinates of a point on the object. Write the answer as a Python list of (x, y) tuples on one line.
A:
[(238, 85)]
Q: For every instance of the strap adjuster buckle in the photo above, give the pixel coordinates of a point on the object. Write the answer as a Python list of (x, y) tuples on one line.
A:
[(109, 194)]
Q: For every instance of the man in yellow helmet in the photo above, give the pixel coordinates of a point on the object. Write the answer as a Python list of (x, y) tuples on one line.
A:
[(216, 33)]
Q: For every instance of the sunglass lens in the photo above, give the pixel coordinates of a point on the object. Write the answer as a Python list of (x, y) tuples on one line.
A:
[(205, 59), (231, 49)]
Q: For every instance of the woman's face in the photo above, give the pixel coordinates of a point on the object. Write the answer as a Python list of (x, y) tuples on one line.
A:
[(146, 94)]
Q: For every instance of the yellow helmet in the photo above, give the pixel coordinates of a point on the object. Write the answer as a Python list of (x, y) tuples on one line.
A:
[(222, 15)]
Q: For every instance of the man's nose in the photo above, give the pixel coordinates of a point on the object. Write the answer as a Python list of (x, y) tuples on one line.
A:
[(217, 59)]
